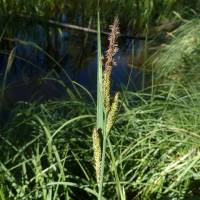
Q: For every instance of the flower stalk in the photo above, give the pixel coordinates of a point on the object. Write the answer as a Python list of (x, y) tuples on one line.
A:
[(104, 103)]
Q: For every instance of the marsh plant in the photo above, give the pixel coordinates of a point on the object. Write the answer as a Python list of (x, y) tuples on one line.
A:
[(106, 107)]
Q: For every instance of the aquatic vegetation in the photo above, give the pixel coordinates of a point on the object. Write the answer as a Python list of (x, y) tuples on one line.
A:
[(78, 148), (153, 149), (106, 114)]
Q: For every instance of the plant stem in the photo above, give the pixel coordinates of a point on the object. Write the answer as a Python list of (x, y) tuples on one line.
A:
[(102, 167), (100, 107)]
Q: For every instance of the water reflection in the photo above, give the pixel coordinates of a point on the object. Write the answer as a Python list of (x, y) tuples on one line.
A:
[(64, 56)]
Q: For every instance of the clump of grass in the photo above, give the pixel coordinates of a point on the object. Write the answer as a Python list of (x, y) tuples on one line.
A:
[(153, 149), (179, 59), (37, 168)]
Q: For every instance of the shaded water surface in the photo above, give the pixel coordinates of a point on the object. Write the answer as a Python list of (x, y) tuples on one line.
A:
[(47, 63)]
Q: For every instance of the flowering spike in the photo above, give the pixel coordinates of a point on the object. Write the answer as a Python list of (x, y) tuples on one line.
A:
[(97, 152)]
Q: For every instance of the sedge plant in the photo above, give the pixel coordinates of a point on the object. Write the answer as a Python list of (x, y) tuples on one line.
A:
[(106, 110)]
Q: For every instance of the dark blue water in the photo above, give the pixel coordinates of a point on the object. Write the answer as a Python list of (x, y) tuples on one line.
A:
[(44, 67)]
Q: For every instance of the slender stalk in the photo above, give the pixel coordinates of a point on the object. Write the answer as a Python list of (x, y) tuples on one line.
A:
[(102, 166), (106, 110), (100, 107)]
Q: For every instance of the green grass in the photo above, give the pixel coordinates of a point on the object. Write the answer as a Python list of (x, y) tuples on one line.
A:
[(152, 151), (179, 58)]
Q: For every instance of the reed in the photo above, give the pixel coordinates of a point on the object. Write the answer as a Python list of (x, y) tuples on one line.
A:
[(106, 113)]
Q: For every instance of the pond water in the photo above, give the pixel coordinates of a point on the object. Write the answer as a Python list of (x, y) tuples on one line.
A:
[(71, 54), (46, 64)]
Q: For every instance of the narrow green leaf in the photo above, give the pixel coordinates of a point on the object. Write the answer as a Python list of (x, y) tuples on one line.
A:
[(8, 67), (100, 107)]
